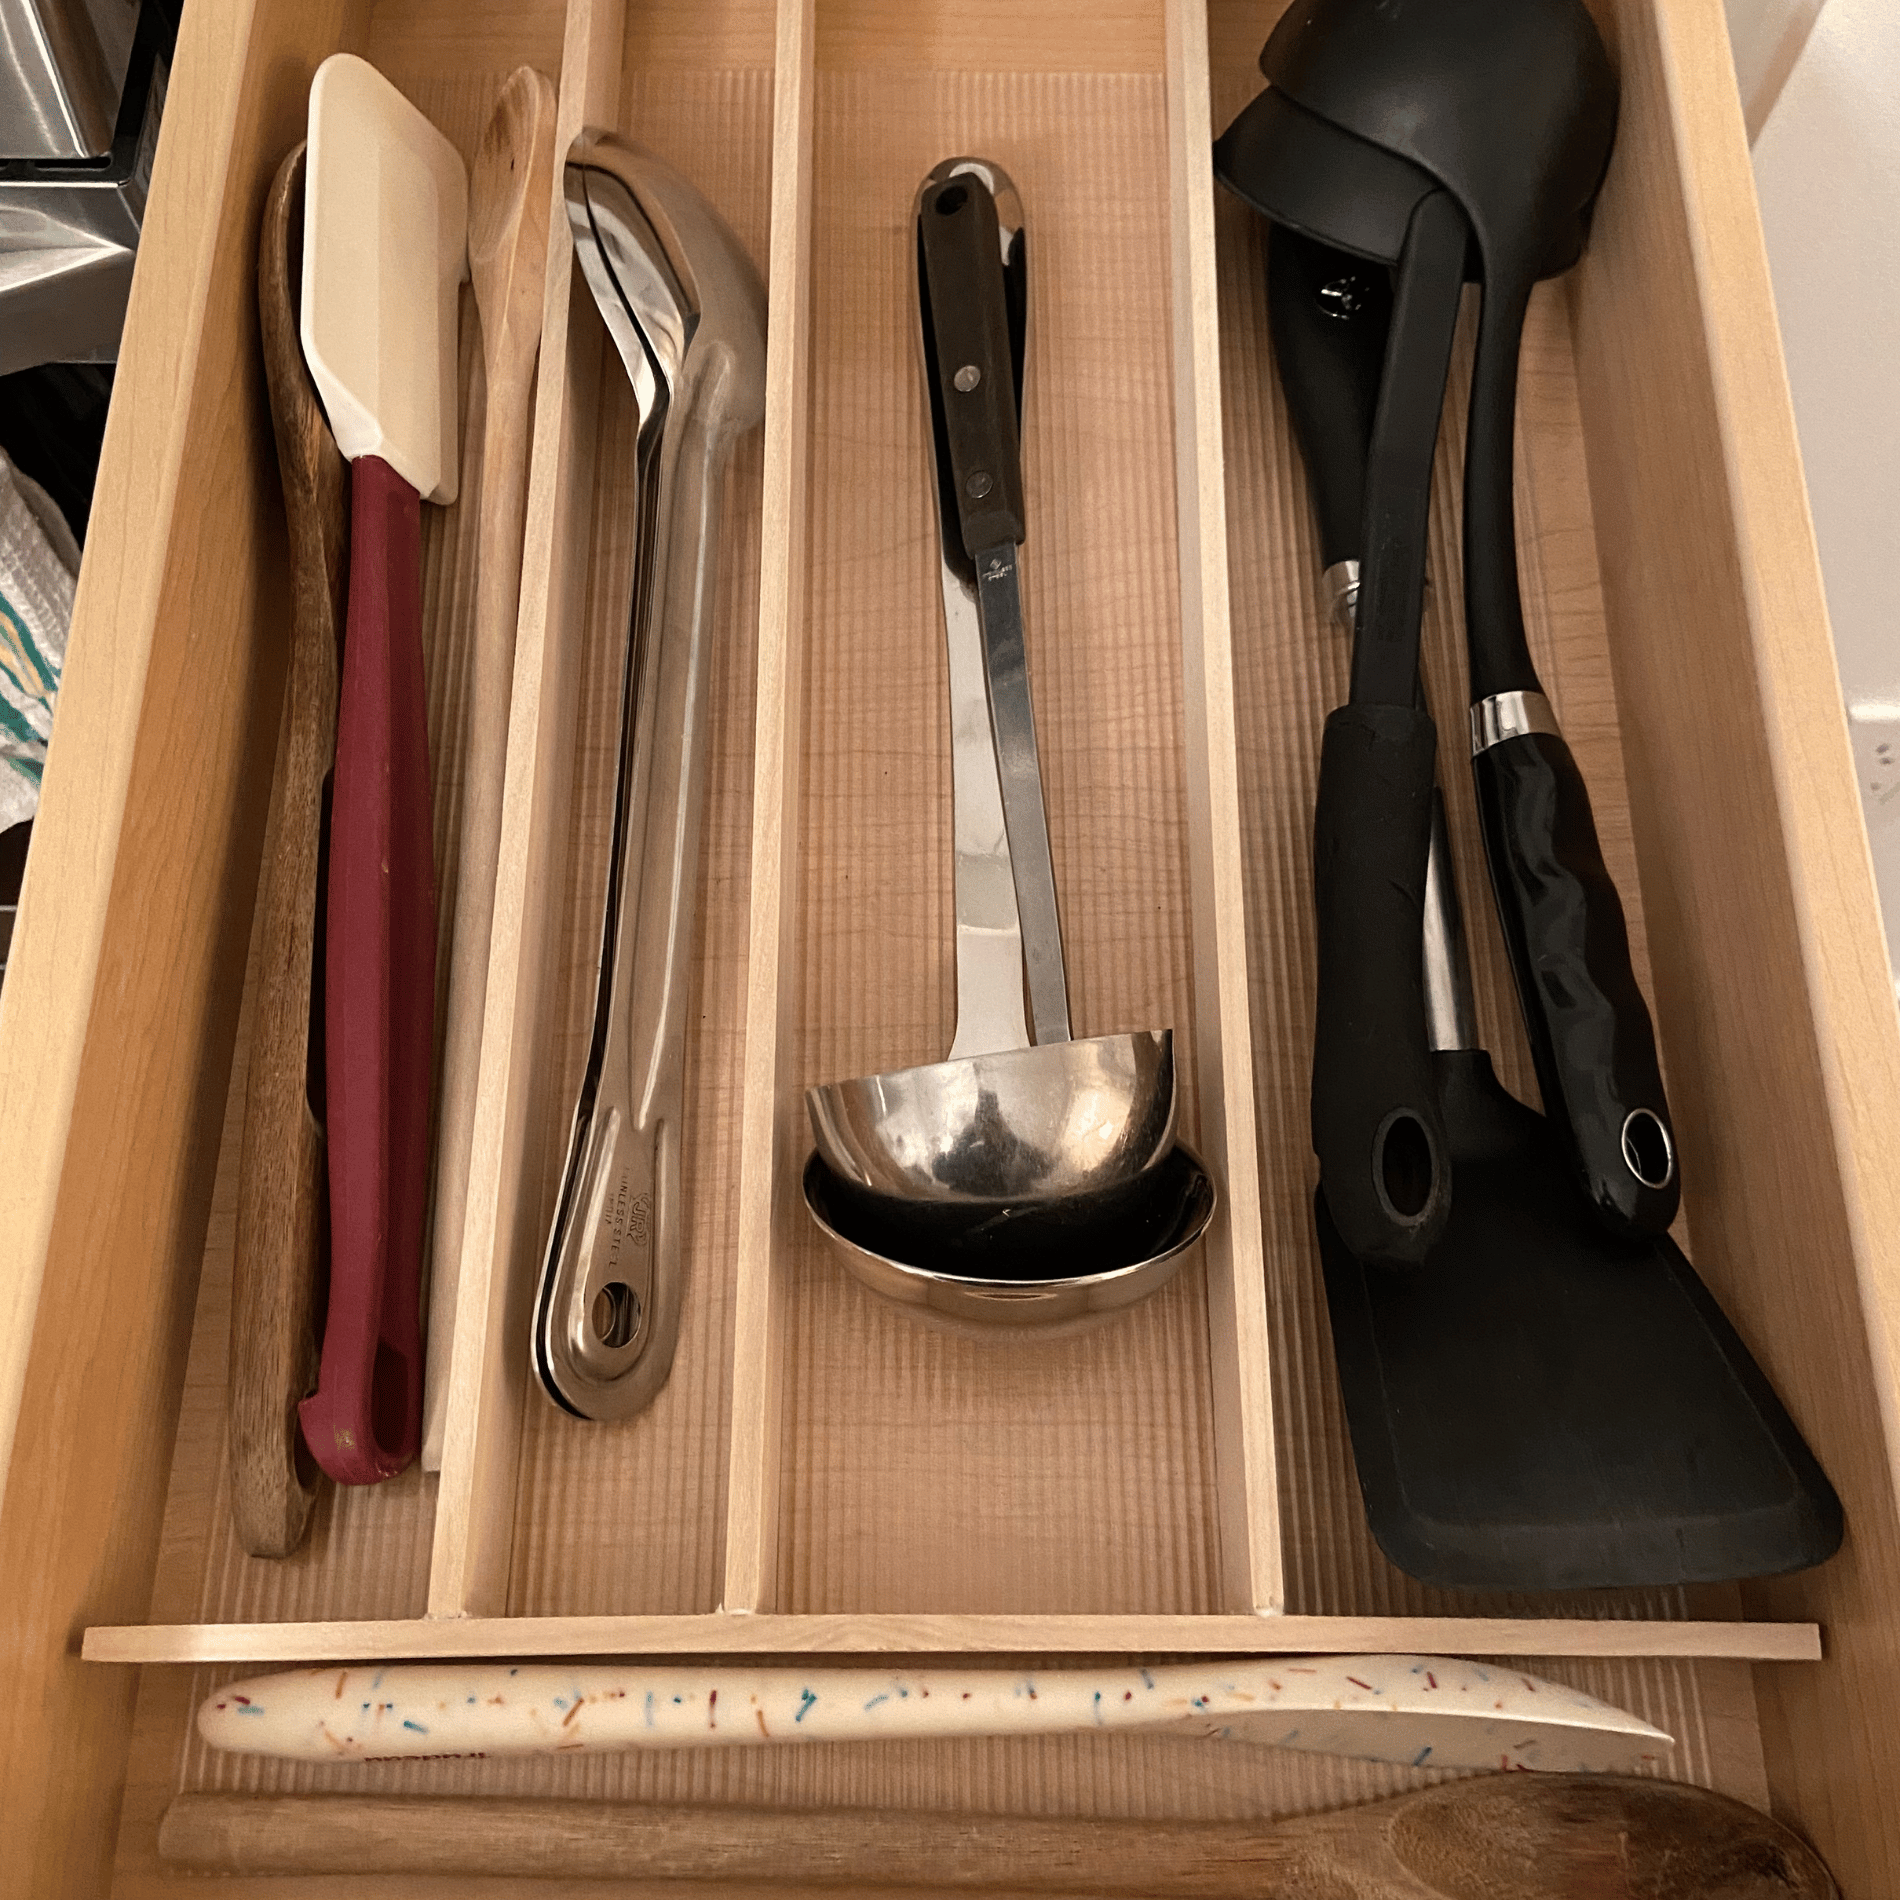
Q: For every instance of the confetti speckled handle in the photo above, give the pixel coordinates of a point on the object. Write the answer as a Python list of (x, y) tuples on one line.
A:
[(1419, 1710)]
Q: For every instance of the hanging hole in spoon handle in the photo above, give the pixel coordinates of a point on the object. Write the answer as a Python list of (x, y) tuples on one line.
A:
[(1377, 1128), (1589, 1028)]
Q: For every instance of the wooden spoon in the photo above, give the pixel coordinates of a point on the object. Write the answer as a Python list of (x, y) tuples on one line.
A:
[(282, 1196), (1501, 1837), (510, 201)]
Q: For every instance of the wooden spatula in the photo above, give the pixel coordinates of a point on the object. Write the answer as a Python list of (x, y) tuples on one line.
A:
[(1495, 1837), (511, 199), (385, 246), (282, 1191)]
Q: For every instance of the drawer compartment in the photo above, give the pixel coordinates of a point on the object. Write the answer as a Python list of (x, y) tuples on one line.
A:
[(823, 1474)]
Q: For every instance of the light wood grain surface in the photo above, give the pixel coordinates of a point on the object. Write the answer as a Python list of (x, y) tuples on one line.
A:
[(1775, 998), (806, 1633), (1246, 1460), (924, 1470), (474, 1519), (118, 1020), (854, 1482), (770, 1138)]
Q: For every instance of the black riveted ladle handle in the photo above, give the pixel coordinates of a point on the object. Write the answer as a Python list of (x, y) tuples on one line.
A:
[(969, 316)]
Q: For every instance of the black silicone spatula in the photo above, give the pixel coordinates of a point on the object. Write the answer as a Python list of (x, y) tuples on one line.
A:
[(1540, 1404)]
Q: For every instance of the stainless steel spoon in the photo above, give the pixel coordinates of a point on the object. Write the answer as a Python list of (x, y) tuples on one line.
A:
[(686, 312)]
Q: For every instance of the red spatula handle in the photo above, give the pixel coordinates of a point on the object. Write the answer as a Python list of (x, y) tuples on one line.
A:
[(364, 1422)]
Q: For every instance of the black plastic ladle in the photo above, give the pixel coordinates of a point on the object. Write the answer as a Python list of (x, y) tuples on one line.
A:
[(1380, 124)]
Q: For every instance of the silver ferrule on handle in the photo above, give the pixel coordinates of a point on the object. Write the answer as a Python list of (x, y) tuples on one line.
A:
[(1341, 583), (1510, 716)]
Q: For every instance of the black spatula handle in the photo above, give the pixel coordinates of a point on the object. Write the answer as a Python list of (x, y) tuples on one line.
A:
[(969, 319), (1385, 1162), (1590, 1032)]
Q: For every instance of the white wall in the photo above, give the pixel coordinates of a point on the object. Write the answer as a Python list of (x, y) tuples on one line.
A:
[(1827, 167)]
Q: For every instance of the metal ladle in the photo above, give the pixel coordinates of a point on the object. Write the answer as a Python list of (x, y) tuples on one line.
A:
[(969, 1185)]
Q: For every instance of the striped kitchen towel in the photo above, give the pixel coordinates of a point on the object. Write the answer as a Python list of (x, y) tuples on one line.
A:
[(39, 561)]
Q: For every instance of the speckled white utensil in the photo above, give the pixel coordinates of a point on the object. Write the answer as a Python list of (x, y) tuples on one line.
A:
[(1424, 1711)]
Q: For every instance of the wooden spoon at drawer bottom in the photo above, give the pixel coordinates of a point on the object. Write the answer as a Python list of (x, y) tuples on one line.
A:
[(281, 1212), (1494, 1837)]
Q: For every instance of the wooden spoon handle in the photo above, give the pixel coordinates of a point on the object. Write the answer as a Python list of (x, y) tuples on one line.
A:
[(509, 265), (364, 1423), (282, 1191), (1508, 1837)]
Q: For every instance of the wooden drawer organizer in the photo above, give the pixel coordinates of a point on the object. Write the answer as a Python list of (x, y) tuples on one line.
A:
[(822, 1474)]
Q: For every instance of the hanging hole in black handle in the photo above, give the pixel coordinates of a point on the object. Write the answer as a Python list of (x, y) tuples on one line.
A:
[(1647, 1148), (1590, 1033), (1377, 1123), (950, 200), (1404, 1166)]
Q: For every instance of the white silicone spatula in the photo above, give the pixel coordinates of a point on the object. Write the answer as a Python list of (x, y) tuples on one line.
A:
[(385, 247)]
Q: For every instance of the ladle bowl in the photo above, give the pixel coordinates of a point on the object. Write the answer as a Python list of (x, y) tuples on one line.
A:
[(1063, 1263), (1017, 1125), (1016, 1182)]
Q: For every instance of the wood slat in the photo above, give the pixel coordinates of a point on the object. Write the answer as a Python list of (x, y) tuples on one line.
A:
[(841, 1481), (769, 1137), (1246, 1461), (802, 1635)]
